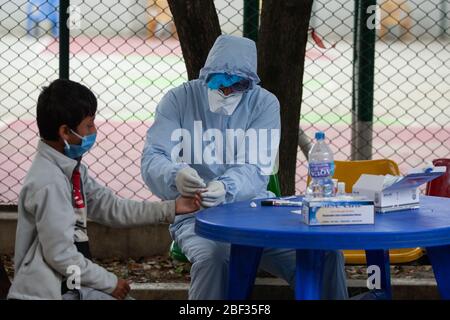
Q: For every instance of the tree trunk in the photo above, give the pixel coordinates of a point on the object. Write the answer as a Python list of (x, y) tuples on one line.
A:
[(281, 55), (198, 27)]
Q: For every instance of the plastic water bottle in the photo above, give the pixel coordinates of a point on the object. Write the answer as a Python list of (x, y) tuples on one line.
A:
[(321, 169)]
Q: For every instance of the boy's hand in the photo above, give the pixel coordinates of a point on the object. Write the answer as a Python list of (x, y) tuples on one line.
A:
[(187, 204), (122, 289)]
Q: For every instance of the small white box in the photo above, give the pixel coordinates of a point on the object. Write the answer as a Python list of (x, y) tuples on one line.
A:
[(337, 211), (393, 193)]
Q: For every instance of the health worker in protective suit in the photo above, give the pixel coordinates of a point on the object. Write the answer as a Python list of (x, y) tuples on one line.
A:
[(203, 141)]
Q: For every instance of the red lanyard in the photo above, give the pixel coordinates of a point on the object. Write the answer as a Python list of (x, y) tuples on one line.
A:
[(77, 193)]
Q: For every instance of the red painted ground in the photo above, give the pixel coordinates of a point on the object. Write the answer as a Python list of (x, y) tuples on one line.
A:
[(143, 47), (115, 159), (118, 45)]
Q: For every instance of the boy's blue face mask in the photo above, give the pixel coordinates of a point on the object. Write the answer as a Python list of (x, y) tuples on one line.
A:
[(75, 151)]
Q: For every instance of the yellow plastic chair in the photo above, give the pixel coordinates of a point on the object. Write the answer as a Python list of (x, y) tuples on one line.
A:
[(349, 172)]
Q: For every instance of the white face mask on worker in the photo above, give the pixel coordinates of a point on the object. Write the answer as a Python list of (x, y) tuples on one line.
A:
[(220, 103)]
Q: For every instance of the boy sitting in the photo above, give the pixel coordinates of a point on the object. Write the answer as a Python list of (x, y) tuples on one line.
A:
[(52, 256)]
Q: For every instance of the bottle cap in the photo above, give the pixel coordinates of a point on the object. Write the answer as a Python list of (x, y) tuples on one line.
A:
[(320, 135)]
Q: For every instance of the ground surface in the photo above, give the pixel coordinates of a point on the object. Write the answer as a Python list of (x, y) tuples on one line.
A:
[(164, 269)]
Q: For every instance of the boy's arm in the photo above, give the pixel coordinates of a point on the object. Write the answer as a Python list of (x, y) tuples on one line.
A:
[(106, 208), (55, 222)]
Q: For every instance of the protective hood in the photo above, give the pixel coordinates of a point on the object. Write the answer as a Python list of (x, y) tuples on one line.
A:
[(232, 55)]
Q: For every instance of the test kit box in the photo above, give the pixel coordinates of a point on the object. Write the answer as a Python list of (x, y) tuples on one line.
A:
[(393, 193), (337, 211)]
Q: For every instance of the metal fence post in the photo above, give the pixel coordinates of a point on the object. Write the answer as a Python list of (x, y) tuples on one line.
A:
[(64, 43), (363, 79), (443, 20), (251, 19)]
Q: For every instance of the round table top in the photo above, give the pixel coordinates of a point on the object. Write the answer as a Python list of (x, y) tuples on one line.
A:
[(278, 227)]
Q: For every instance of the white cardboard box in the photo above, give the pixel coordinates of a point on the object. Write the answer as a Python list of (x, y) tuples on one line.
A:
[(400, 195), (337, 211)]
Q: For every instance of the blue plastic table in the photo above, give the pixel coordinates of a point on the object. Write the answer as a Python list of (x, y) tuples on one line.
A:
[(249, 230)]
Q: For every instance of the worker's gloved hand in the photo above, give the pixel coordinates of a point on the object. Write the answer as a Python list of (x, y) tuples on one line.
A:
[(214, 194), (188, 182)]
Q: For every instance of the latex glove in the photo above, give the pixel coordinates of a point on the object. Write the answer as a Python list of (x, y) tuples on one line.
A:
[(188, 182), (214, 194)]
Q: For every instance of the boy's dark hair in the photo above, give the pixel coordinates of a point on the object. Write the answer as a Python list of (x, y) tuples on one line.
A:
[(63, 102)]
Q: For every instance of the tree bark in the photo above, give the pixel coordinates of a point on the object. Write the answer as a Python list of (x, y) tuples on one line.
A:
[(281, 55), (198, 27)]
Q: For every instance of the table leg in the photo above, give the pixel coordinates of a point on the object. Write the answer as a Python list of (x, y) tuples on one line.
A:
[(244, 262), (380, 258), (440, 260), (308, 276)]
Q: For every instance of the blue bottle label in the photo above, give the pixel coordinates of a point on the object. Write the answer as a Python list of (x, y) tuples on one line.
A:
[(321, 170)]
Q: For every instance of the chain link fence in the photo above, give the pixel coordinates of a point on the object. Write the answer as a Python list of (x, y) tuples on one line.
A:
[(26, 65), (128, 53), (411, 111)]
